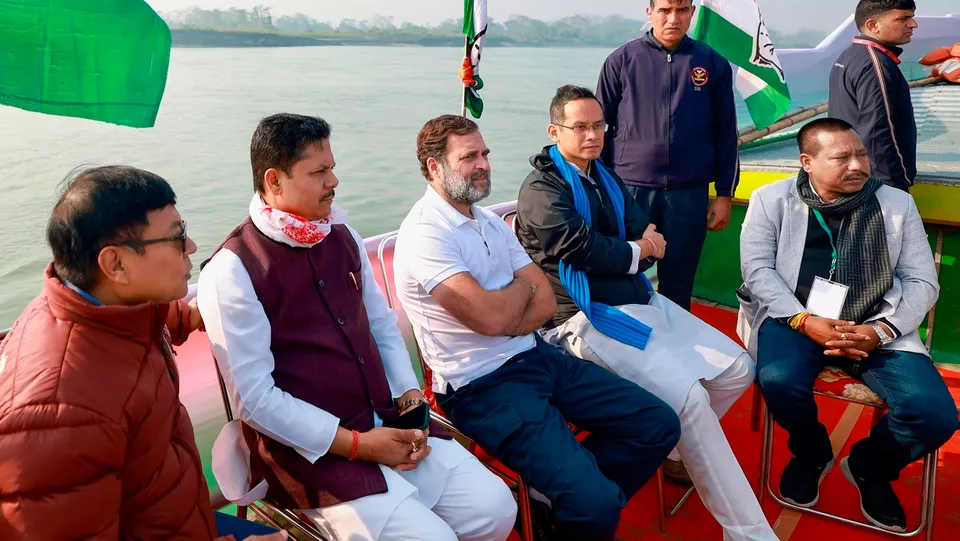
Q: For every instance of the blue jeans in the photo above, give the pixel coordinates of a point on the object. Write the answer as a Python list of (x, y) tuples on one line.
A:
[(519, 414), (681, 217), (922, 414), (239, 528)]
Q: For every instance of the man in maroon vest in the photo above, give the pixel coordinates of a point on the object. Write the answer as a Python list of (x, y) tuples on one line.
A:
[(317, 370)]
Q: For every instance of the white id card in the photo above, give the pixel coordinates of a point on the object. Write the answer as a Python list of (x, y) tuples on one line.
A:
[(826, 298)]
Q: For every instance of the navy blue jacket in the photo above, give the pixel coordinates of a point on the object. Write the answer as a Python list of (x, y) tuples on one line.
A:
[(868, 90), (672, 116)]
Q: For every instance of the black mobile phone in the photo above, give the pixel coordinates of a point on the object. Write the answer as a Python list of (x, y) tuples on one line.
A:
[(418, 417)]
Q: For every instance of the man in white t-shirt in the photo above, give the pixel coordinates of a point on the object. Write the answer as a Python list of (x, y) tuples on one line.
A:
[(475, 300)]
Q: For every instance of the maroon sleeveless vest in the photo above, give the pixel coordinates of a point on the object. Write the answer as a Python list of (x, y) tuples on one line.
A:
[(325, 354)]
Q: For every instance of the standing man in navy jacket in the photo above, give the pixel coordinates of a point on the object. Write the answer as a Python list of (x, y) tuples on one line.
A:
[(868, 90), (668, 100)]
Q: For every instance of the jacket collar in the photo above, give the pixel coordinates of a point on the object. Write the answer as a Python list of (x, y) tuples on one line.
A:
[(543, 162), (892, 49), (652, 41), (142, 323)]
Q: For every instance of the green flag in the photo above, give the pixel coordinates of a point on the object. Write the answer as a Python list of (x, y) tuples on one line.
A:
[(475, 29), (103, 60), (735, 28)]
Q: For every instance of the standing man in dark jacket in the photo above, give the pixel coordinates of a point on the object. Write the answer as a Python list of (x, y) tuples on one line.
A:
[(668, 101), (868, 90)]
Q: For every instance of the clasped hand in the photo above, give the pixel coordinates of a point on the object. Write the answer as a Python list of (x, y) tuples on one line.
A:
[(653, 241), (842, 338)]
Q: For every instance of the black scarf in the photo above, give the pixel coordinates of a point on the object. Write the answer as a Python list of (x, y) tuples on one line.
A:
[(863, 262)]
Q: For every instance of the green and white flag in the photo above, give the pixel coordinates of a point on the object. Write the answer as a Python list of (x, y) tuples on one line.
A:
[(475, 28), (735, 29)]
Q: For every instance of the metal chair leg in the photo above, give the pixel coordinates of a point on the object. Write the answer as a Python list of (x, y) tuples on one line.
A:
[(756, 410), (523, 507), (931, 487), (663, 502), (927, 496), (766, 452), (686, 496)]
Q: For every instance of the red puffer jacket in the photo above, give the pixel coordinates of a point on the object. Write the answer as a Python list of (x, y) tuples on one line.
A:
[(94, 442)]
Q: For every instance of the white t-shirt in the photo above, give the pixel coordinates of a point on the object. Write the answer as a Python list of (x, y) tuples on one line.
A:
[(436, 242)]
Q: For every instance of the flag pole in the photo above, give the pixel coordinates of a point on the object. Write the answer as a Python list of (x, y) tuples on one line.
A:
[(463, 94)]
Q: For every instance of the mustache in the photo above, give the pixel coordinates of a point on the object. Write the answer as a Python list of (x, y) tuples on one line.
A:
[(330, 195), (855, 176), (480, 175)]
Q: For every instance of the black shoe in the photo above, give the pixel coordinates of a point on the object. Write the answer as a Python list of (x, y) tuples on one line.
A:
[(800, 483), (878, 503), (543, 526), (676, 472)]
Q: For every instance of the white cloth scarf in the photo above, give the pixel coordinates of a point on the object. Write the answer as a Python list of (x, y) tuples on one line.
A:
[(291, 229)]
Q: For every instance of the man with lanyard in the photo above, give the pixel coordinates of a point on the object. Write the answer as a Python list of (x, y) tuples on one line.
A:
[(331, 417), (89, 387), (838, 271), (577, 221), (668, 102), (868, 90), (475, 300)]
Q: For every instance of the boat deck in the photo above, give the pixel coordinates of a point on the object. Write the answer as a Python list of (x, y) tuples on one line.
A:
[(847, 423)]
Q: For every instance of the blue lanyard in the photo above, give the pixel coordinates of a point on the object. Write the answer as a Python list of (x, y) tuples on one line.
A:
[(833, 246), (82, 293)]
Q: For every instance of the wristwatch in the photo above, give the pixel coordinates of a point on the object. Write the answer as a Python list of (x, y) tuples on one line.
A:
[(882, 334)]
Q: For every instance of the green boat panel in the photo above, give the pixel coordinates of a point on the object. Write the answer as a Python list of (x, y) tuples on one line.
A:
[(946, 328), (937, 202), (718, 273)]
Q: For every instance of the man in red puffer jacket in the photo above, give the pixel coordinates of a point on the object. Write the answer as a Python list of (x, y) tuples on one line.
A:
[(94, 442)]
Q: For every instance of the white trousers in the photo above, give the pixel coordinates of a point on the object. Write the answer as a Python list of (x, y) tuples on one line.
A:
[(459, 500), (475, 506), (704, 449)]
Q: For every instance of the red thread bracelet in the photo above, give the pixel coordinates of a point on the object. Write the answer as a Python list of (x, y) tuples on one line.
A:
[(355, 448), (653, 247), (803, 322)]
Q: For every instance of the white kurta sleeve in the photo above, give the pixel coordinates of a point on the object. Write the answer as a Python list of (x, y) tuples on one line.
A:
[(383, 326), (239, 331)]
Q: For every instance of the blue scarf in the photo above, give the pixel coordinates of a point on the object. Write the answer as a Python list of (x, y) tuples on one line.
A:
[(607, 319)]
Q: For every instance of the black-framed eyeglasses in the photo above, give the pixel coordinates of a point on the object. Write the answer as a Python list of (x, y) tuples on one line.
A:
[(140, 243), (582, 129)]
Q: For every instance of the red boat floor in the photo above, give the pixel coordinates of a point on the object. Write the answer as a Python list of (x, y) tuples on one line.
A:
[(847, 424)]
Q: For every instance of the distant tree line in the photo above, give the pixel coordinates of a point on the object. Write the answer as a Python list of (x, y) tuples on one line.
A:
[(516, 30)]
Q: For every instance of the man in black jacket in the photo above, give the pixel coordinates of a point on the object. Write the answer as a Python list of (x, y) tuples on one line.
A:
[(577, 220), (868, 90)]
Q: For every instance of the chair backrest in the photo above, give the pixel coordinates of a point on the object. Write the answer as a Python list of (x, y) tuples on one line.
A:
[(223, 387), (511, 219), (385, 252)]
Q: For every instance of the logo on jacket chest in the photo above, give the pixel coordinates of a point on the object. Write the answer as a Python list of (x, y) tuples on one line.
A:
[(699, 76)]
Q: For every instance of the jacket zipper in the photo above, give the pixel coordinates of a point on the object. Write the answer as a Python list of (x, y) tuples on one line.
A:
[(669, 95)]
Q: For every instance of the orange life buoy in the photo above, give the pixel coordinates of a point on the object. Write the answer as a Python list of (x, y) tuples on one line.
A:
[(936, 56), (945, 62), (950, 70)]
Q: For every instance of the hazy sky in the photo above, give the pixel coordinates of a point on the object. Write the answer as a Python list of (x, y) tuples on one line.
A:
[(783, 15)]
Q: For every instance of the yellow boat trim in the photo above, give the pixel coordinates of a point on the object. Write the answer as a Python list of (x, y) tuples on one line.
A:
[(938, 203)]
